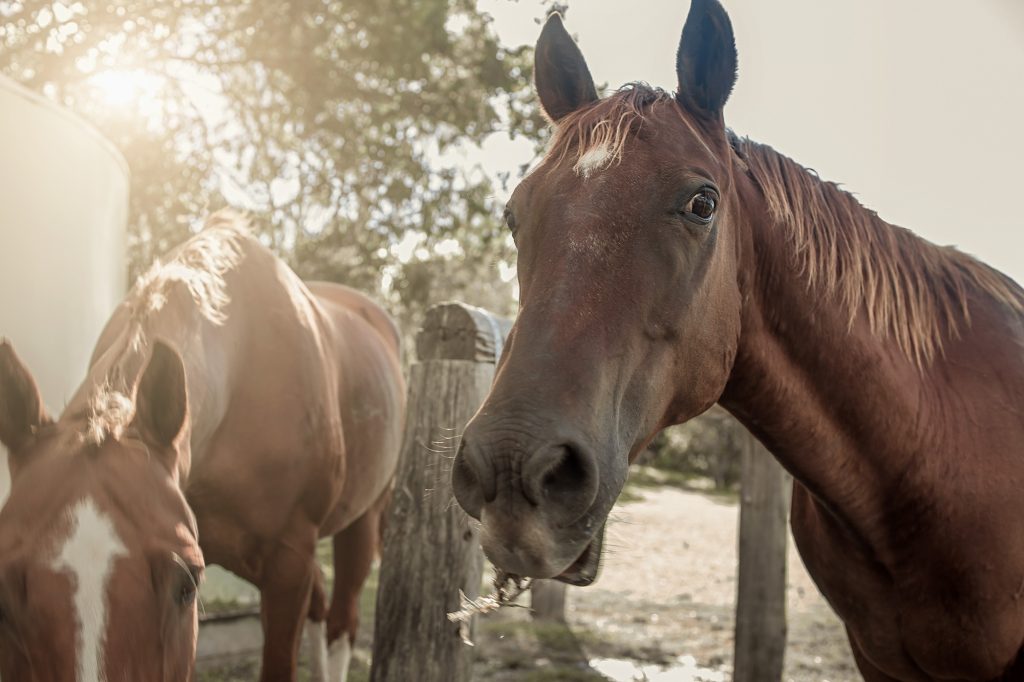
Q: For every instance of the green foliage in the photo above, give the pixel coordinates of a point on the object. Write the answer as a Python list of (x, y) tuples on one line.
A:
[(709, 446), (334, 123)]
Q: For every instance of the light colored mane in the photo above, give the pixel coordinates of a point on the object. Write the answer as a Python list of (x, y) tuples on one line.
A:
[(912, 291), (596, 135), (199, 267)]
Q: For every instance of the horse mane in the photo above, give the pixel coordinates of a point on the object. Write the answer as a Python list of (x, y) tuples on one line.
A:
[(198, 268), (912, 291)]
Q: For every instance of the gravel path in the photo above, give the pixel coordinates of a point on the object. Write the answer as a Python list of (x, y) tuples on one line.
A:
[(668, 586)]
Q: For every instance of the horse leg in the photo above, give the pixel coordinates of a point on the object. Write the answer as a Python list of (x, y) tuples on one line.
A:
[(316, 629), (354, 550), (286, 585)]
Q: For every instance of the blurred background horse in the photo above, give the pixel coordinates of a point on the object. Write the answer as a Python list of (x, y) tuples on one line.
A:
[(231, 415)]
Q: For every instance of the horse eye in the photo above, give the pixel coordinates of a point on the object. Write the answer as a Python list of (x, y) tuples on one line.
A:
[(510, 219), (702, 206), (187, 595), (188, 587)]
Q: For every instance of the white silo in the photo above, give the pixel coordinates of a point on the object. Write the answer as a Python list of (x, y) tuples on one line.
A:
[(63, 216)]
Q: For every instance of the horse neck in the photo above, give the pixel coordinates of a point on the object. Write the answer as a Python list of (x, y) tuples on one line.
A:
[(124, 349), (832, 400)]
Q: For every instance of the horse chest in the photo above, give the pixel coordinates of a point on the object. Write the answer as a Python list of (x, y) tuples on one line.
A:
[(919, 628)]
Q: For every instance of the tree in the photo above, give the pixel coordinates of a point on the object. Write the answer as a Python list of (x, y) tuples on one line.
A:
[(709, 445), (329, 121)]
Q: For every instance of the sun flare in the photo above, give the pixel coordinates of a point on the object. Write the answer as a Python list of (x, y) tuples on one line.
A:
[(122, 88)]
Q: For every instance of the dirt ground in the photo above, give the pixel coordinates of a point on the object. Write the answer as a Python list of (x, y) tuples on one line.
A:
[(661, 610)]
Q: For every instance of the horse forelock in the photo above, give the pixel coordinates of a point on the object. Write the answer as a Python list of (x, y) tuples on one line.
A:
[(595, 136), (110, 413), (913, 292)]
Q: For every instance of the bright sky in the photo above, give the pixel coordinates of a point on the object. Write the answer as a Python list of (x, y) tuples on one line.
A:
[(917, 106)]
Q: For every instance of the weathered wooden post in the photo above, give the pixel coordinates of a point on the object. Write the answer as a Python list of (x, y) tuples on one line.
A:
[(760, 644), (431, 551), (547, 600)]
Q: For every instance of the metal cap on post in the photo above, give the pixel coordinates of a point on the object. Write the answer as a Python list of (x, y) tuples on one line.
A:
[(431, 550)]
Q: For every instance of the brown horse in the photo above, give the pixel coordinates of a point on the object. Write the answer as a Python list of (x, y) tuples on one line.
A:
[(665, 265), (231, 415)]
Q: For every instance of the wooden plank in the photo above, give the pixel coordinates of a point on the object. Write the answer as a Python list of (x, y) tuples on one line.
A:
[(547, 600), (760, 643)]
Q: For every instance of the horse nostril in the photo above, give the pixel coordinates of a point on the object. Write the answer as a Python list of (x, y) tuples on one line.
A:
[(472, 480), (563, 480)]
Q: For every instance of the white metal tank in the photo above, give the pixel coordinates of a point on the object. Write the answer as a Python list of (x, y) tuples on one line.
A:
[(63, 216)]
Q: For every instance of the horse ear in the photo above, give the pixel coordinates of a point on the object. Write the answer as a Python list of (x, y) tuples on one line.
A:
[(706, 60), (161, 400), (21, 405), (560, 73)]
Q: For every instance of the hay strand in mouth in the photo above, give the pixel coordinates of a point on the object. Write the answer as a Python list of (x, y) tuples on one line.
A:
[(507, 588)]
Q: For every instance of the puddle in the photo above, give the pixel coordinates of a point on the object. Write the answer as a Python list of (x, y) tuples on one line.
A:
[(685, 669)]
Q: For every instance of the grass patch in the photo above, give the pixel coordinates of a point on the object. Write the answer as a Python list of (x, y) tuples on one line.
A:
[(248, 669), (559, 638), (563, 673), (651, 477), (220, 607), (512, 646), (245, 671), (554, 638), (629, 494), (648, 478)]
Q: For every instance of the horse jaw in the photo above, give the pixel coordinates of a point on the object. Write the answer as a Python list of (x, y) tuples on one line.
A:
[(584, 570)]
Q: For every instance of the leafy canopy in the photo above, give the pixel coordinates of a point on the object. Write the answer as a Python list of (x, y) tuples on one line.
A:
[(331, 121)]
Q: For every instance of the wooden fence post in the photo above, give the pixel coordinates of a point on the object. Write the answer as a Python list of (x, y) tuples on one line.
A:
[(760, 644), (547, 600), (430, 550)]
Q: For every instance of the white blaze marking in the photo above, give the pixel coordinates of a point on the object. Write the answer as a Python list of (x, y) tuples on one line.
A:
[(594, 159), (340, 655), (88, 554)]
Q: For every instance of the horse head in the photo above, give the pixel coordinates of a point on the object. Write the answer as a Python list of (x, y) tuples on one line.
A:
[(99, 559), (630, 308)]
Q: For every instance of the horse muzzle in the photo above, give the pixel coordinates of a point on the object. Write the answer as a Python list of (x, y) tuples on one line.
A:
[(584, 570), (536, 506), (524, 546)]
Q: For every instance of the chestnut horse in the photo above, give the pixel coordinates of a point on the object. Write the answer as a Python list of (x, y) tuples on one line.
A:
[(666, 265), (231, 415)]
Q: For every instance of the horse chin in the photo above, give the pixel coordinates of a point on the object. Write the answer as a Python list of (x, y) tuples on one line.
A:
[(584, 570)]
